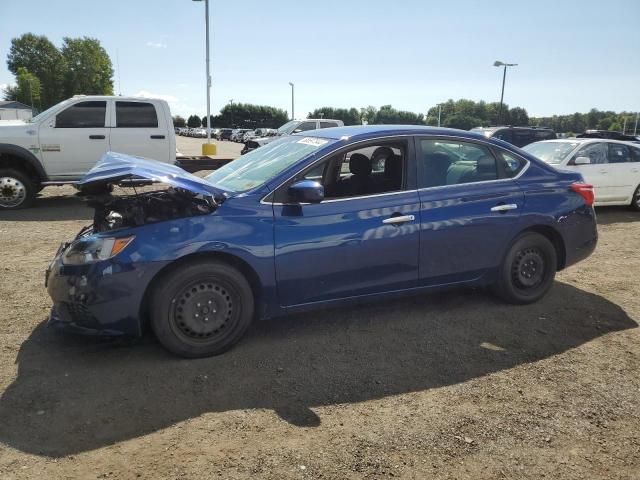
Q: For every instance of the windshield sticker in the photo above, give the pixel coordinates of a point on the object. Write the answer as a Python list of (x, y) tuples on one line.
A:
[(316, 142)]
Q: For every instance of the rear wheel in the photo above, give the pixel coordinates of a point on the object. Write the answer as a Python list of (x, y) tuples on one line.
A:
[(528, 269), (201, 309), (17, 190), (635, 201)]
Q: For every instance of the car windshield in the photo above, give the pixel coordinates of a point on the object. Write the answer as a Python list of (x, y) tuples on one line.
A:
[(41, 115), (288, 127), (551, 152), (262, 164)]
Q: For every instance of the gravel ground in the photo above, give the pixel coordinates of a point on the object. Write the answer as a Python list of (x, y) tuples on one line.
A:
[(450, 385)]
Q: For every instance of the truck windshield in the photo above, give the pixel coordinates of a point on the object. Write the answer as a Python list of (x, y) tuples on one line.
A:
[(41, 115), (551, 152), (262, 164), (288, 127)]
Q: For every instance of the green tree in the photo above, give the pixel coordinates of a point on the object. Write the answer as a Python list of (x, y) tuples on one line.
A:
[(179, 121), (389, 115), (462, 121), (42, 59), (349, 116), (88, 67), (194, 121), (518, 117), (368, 114)]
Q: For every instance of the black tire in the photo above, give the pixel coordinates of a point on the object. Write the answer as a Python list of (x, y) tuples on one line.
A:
[(635, 200), (528, 269), (201, 309), (17, 190)]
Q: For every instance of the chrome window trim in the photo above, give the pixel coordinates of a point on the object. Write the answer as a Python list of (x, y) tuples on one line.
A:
[(417, 137)]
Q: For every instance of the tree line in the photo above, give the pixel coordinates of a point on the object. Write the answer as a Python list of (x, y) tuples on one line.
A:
[(46, 74)]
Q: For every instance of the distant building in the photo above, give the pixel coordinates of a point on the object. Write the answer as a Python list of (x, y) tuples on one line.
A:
[(12, 110)]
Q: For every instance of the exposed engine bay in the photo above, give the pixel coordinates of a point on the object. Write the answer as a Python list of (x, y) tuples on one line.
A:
[(113, 212)]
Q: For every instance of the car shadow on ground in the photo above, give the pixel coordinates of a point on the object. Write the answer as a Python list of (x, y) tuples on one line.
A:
[(51, 208), (611, 215), (74, 394)]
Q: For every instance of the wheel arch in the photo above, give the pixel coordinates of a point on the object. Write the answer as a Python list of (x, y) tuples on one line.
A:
[(238, 263), (19, 158), (554, 237)]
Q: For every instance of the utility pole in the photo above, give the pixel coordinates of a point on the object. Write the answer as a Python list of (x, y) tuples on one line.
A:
[(498, 63), (635, 128), (293, 116)]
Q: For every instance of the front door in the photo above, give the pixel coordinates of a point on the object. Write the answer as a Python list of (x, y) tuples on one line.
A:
[(469, 207), (362, 239), (74, 142)]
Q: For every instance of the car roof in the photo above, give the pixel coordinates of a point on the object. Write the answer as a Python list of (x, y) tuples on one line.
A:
[(366, 131), (585, 140), (500, 127)]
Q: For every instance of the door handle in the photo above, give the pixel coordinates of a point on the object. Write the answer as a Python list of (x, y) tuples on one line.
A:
[(398, 219), (96, 137), (504, 207), (157, 137)]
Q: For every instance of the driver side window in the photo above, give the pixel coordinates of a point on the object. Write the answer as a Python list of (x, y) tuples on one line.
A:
[(371, 170), (596, 152), (83, 115)]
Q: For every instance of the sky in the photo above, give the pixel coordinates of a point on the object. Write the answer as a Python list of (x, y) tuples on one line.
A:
[(412, 54)]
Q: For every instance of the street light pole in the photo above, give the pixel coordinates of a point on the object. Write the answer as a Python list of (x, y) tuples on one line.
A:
[(208, 148), (293, 116), (439, 112), (635, 128), (498, 63)]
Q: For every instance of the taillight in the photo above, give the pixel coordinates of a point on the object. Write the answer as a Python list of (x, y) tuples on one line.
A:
[(585, 190)]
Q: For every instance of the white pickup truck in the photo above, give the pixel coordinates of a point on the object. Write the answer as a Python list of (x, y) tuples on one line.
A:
[(62, 143)]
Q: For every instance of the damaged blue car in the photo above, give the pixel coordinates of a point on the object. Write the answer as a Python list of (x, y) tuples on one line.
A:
[(311, 220)]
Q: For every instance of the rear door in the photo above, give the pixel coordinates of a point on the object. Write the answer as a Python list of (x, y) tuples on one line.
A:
[(469, 206), (620, 171), (140, 128), (75, 139)]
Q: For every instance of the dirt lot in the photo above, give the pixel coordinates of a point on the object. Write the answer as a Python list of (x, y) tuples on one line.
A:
[(452, 385)]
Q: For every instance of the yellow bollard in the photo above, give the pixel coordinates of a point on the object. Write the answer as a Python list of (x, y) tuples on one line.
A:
[(208, 149)]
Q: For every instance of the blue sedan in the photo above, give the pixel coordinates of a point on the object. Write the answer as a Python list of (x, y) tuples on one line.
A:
[(315, 219)]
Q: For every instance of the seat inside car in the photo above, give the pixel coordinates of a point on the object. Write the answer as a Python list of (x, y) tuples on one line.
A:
[(360, 180)]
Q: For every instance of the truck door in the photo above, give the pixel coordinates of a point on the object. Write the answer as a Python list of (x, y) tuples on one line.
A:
[(75, 140), (139, 128)]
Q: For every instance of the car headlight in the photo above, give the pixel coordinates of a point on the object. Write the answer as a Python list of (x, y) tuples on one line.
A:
[(94, 249)]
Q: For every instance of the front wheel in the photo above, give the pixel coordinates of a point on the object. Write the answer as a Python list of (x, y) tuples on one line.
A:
[(635, 201), (528, 269), (201, 309), (17, 190)]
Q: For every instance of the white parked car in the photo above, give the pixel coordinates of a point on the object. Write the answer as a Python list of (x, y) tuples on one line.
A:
[(611, 166)]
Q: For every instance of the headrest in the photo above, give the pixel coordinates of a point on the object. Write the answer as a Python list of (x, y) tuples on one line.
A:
[(486, 165), (359, 164)]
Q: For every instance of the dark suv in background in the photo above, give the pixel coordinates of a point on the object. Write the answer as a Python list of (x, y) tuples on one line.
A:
[(518, 136)]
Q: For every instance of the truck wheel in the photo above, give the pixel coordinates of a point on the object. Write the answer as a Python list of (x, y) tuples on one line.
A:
[(17, 190), (528, 269), (635, 200), (201, 309)]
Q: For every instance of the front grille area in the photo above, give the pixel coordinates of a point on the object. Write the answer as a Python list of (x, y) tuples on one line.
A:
[(81, 315)]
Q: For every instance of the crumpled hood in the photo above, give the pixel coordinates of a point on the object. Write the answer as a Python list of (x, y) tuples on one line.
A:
[(114, 167)]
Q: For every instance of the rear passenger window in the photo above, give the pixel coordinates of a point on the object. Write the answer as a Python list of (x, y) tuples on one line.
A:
[(452, 163), (511, 165), (82, 115), (635, 154), (136, 115)]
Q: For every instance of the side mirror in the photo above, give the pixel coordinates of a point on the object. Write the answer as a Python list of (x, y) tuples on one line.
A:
[(297, 130), (582, 161), (307, 191)]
